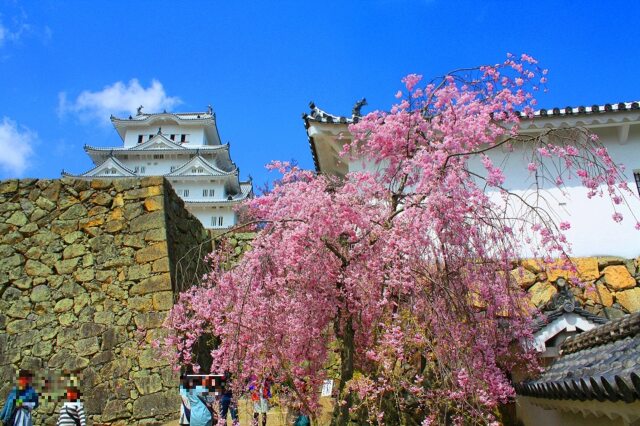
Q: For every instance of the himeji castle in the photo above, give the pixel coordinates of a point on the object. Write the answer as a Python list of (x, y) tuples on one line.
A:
[(186, 149)]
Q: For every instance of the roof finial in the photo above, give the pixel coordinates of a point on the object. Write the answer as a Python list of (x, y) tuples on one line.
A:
[(209, 109), (159, 130), (140, 110), (355, 112)]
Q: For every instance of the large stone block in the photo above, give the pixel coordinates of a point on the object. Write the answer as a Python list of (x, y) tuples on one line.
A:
[(148, 221), (75, 211), (152, 252), (598, 294), (34, 268), (541, 293), (115, 409), (146, 192), (629, 299), (617, 277), (66, 266), (152, 284), (159, 403), (88, 346), (523, 277), (163, 301), (148, 384), (90, 329), (149, 320), (18, 218), (74, 250)]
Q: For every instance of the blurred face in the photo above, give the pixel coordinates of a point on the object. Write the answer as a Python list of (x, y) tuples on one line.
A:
[(23, 382), (72, 395)]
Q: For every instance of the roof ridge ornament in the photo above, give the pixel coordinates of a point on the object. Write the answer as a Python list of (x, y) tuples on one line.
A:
[(355, 112), (209, 109), (139, 110), (564, 299)]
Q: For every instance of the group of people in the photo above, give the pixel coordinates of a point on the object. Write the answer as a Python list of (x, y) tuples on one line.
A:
[(23, 399), (208, 399)]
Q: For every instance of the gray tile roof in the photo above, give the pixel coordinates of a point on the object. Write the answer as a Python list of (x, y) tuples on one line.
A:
[(600, 364), (317, 115)]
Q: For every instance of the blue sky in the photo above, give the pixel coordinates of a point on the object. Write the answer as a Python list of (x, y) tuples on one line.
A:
[(65, 66)]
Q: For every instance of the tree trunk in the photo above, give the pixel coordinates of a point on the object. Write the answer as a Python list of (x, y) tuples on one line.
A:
[(341, 411)]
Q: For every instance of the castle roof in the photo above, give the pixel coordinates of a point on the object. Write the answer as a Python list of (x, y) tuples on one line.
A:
[(198, 162), (583, 115), (600, 364), (110, 164)]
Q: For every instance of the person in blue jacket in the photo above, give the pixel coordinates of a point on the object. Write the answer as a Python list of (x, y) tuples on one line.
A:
[(195, 392), (22, 400)]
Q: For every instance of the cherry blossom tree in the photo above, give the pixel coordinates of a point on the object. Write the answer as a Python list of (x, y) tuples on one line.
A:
[(401, 274)]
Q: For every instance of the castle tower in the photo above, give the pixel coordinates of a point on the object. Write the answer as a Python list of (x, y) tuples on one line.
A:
[(185, 148)]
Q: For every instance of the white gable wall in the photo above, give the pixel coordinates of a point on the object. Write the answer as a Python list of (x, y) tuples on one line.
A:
[(593, 231)]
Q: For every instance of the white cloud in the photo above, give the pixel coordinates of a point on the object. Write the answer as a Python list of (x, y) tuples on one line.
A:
[(118, 99), (15, 147), (14, 34)]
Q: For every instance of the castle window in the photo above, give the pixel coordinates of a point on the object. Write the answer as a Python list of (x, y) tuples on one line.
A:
[(212, 192), (142, 169), (636, 175), (150, 136), (158, 156), (186, 193), (220, 221), (172, 137), (140, 137), (136, 169), (183, 138), (216, 221), (173, 169)]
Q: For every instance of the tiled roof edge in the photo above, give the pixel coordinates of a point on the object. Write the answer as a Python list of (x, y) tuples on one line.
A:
[(618, 329)]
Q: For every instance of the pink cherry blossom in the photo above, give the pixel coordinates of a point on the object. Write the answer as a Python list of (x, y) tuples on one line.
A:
[(402, 275)]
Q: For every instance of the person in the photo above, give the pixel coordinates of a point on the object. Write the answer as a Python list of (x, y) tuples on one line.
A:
[(227, 404), (72, 411), (185, 406), (211, 396), (21, 401), (260, 395), (199, 414)]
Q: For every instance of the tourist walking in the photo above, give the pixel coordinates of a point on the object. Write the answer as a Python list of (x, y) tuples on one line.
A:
[(260, 395), (72, 411), (199, 413), (21, 401), (227, 404)]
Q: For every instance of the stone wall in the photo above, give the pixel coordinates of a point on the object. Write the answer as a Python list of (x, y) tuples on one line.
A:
[(612, 284), (88, 271)]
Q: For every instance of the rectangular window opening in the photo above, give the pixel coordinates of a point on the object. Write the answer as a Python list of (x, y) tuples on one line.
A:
[(140, 137), (636, 175)]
